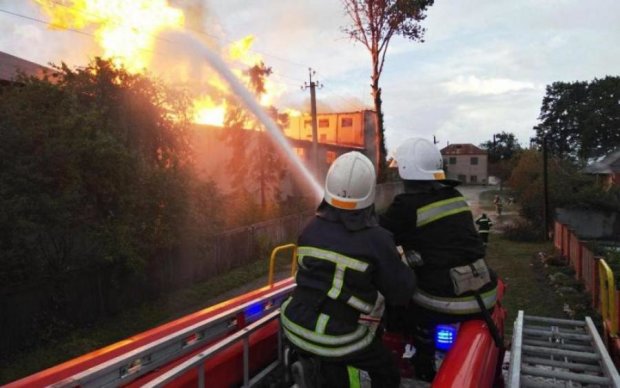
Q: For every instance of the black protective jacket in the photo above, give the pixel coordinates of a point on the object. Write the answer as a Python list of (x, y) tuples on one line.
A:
[(446, 238), (344, 260)]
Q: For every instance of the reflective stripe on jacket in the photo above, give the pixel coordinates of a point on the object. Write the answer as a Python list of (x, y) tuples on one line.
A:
[(457, 305), (341, 276), (317, 342), (435, 221)]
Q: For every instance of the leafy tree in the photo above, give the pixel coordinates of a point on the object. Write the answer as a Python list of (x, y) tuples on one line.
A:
[(567, 187), (503, 146), (580, 120), (95, 171), (374, 23), (255, 161), (503, 152)]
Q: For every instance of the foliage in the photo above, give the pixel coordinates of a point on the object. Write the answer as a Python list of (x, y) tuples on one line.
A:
[(374, 23), (581, 120), (254, 160), (566, 187), (96, 178), (504, 146), (523, 231), (503, 152)]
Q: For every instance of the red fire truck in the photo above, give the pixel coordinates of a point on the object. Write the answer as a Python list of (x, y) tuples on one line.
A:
[(239, 343)]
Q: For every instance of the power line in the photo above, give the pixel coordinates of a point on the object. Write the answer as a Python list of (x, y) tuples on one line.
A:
[(201, 32)]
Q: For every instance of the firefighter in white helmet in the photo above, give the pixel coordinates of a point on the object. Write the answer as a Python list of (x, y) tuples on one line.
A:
[(432, 222), (348, 267)]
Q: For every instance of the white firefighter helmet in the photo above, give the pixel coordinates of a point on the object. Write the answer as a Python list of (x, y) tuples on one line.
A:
[(350, 182), (418, 159)]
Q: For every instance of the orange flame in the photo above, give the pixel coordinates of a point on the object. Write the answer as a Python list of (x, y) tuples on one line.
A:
[(126, 31)]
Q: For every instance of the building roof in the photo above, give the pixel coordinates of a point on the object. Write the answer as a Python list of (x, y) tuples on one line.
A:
[(610, 164), (11, 66), (462, 149)]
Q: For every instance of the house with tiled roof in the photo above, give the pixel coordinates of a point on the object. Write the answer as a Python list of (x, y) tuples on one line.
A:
[(466, 163)]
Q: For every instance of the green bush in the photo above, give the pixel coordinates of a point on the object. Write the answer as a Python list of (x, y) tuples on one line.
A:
[(524, 231)]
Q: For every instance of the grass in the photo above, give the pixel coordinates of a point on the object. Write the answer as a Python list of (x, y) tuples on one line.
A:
[(131, 322), (527, 286)]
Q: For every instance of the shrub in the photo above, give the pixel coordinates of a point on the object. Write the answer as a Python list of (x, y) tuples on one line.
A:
[(523, 230)]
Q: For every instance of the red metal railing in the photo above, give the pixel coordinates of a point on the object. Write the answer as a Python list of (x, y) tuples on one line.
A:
[(594, 273)]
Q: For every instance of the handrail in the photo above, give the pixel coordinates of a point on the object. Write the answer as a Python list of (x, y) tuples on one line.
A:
[(133, 364), (272, 261), (198, 360), (608, 296)]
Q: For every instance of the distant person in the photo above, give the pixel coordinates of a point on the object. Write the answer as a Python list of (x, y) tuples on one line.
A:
[(484, 225), (497, 201), (348, 266), (432, 221)]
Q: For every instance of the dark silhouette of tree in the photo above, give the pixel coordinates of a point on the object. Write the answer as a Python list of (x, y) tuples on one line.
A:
[(374, 23), (580, 120), (96, 179), (503, 153), (255, 163)]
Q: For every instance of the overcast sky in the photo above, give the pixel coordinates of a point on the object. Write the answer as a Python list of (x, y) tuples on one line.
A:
[(482, 69)]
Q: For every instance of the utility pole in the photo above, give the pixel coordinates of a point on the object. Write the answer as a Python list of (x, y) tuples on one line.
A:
[(545, 188), (312, 85)]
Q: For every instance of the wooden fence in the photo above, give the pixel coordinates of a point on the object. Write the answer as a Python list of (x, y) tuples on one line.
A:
[(596, 276)]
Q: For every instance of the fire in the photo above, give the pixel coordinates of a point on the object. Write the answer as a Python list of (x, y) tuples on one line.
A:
[(127, 31), (206, 111)]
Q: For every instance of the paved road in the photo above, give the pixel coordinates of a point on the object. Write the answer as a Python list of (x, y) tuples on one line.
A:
[(472, 194)]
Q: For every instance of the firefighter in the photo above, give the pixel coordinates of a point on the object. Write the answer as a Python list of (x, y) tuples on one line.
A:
[(348, 266), (432, 221), (484, 225)]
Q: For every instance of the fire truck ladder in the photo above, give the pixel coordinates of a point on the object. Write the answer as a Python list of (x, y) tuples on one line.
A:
[(548, 352)]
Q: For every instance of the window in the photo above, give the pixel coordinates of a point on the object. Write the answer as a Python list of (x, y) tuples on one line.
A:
[(307, 123), (346, 122), (330, 156), (474, 160), (473, 179), (452, 159), (300, 152), (324, 123)]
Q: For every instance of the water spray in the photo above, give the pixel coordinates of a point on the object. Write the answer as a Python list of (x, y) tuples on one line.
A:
[(248, 101)]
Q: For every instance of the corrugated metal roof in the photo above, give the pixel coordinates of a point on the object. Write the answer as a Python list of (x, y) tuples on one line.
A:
[(610, 164), (10, 66), (462, 149)]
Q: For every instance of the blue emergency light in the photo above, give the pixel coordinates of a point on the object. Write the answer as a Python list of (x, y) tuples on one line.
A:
[(253, 309), (445, 335)]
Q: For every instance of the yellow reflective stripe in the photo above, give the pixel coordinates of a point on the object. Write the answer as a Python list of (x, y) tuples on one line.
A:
[(321, 323), (440, 209), (360, 305), (465, 305), (337, 282), (336, 258), (329, 352), (354, 377), (319, 337)]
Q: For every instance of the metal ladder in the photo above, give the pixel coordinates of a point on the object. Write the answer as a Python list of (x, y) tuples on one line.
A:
[(548, 352)]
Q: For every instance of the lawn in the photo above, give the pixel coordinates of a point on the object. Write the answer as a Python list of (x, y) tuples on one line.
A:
[(527, 288)]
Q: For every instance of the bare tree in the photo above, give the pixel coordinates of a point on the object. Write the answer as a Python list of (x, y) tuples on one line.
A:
[(374, 23)]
